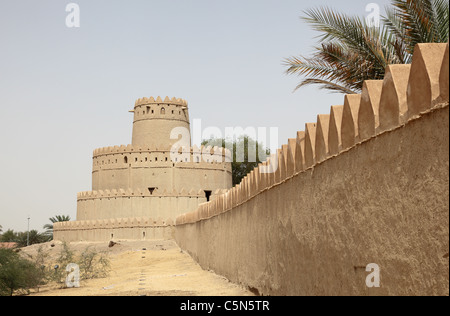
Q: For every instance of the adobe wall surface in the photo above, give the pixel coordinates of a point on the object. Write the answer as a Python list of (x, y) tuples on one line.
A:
[(368, 183)]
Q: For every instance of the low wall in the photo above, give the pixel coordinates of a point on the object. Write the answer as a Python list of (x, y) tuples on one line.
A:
[(99, 205), (368, 183), (100, 215), (114, 229)]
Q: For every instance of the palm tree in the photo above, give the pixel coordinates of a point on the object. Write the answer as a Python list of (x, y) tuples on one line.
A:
[(49, 227), (353, 51)]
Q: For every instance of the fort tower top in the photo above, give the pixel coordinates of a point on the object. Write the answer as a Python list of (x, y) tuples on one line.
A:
[(154, 120)]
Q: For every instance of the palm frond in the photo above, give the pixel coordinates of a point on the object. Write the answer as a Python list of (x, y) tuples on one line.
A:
[(352, 51), (441, 8), (326, 85)]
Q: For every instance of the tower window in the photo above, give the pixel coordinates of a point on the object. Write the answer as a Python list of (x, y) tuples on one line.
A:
[(163, 111), (125, 159), (208, 195)]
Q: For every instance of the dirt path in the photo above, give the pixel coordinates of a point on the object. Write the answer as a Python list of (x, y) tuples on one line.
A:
[(152, 268)]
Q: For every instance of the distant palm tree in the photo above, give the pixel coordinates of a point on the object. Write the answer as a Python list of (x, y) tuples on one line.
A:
[(49, 227), (30, 238), (353, 51)]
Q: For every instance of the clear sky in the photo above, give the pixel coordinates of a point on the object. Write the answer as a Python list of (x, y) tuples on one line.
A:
[(66, 91)]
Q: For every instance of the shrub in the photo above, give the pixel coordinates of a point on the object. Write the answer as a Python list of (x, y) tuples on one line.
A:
[(92, 264)]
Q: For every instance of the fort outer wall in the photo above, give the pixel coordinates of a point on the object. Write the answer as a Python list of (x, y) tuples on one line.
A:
[(137, 228), (128, 215), (368, 183)]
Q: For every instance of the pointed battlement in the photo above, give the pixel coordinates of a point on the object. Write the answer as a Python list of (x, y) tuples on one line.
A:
[(406, 93), (366, 183)]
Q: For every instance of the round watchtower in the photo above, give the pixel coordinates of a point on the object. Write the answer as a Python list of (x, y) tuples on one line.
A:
[(154, 120)]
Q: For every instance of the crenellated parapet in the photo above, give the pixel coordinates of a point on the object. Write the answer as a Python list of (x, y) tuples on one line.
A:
[(120, 157), (208, 152), (129, 193), (151, 108), (132, 228), (135, 222), (159, 100), (406, 93)]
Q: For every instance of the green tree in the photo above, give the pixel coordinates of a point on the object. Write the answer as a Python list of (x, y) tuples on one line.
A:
[(17, 273), (352, 51), (247, 154), (49, 227)]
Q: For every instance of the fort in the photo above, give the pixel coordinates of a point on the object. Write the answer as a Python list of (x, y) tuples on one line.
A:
[(366, 183), (138, 190)]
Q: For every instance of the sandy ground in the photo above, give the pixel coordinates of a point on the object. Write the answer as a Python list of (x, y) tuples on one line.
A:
[(162, 269)]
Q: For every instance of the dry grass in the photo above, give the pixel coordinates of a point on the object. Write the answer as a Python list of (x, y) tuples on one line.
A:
[(162, 269)]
